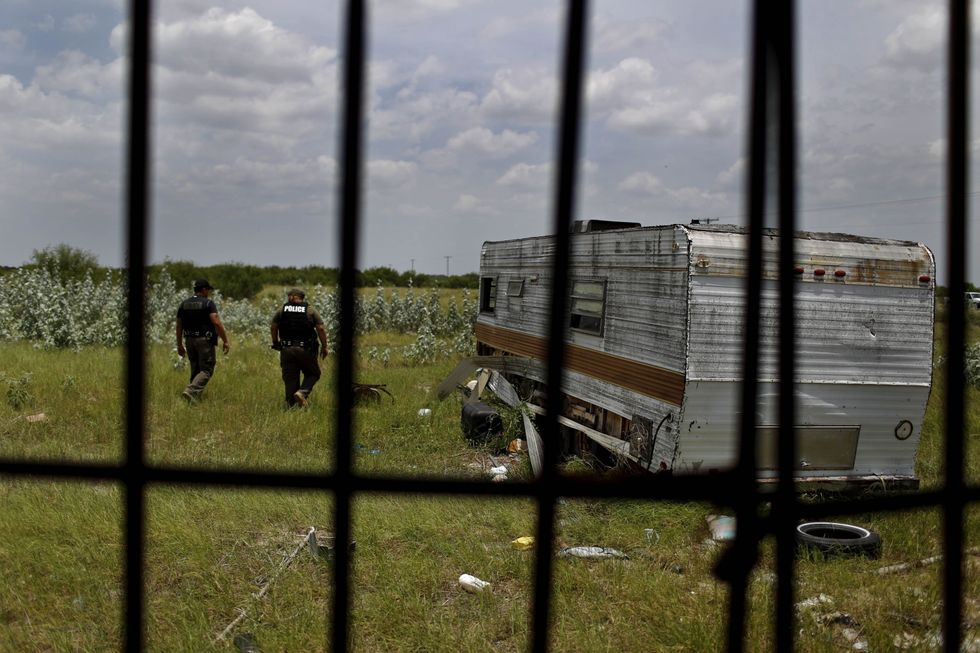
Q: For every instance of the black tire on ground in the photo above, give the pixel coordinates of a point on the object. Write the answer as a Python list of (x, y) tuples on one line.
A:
[(837, 539)]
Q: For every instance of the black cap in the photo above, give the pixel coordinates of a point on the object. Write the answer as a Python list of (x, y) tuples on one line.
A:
[(201, 284), (298, 292)]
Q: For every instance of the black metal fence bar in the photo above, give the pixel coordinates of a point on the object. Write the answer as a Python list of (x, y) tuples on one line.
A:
[(351, 141), (137, 200), (772, 88), (957, 139), (717, 488), (784, 505), (564, 205), (735, 569)]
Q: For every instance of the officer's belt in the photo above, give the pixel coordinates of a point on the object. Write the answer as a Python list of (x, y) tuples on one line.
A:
[(295, 343), (197, 334)]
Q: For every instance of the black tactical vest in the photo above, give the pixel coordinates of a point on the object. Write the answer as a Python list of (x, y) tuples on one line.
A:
[(195, 316), (295, 323)]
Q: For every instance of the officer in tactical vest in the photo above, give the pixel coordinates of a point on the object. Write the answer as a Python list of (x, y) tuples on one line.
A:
[(199, 327), (297, 329)]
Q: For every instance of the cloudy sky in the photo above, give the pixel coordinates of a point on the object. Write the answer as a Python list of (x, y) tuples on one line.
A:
[(461, 128)]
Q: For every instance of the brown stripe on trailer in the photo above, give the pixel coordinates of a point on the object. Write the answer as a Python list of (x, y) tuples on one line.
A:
[(650, 380)]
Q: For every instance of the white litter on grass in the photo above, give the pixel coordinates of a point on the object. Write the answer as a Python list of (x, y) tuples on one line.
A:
[(472, 584), (40, 417), (814, 601), (425, 412), (499, 469), (592, 552)]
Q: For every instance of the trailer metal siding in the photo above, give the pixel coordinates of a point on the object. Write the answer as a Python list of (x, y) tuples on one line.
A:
[(671, 342)]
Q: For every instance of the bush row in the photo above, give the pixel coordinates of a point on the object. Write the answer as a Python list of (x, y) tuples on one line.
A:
[(38, 306)]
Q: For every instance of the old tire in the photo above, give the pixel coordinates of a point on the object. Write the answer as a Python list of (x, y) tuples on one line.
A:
[(837, 539)]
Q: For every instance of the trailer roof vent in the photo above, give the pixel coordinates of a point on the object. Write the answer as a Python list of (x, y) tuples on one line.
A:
[(586, 226)]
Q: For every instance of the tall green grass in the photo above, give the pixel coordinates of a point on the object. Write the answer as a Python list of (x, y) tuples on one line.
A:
[(209, 551)]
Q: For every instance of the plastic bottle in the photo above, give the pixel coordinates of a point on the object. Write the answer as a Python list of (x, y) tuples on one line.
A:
[(473, 584)]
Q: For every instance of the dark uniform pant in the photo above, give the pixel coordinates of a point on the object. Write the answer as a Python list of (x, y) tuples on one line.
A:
[(296, 360), (200, 353)]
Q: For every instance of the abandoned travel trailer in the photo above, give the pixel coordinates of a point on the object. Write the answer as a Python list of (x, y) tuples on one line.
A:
[(654, 340)]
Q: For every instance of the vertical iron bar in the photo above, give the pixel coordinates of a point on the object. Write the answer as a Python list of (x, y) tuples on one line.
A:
[(567, 166), (957, 138), (351, 141), (746, 534), (785, 504), (137, 193)]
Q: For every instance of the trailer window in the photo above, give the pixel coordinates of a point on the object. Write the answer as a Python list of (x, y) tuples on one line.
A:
[(587, 305), (515, 288), (488, 294)]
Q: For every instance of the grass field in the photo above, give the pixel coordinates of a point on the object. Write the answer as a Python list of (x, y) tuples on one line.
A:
[(210, 551)]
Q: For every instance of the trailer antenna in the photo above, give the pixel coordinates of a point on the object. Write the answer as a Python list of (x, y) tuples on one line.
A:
[(704, 220)]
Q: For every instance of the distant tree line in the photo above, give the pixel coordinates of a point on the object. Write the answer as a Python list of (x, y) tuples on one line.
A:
[(244, 281), (238, 280)]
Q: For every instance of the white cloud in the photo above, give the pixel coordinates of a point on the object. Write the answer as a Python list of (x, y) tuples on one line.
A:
[(78, 23), (537, 176), (472, 205), (416, 10), (630, 35), (484, 141), (643, 183), (631, 81), (74, 72), (732, 178), (45, 23), (213, 44), (415, 115), (526, 176), (525, 94), (386, 174), (631, 97), (918, 41), (11, 40), (509, 23)]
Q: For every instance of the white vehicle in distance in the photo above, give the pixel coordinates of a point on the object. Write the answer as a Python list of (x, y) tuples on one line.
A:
[(973, 299)]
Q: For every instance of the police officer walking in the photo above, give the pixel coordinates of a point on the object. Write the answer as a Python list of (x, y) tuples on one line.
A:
[(296, 330), (199, 326)]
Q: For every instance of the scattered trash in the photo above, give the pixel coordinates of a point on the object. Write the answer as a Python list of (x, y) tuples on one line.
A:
[(370, 393), (836, 618), (499, 478), (535, 447), (266, 586), (425, 412), (499, 469), (592, 552), (480, 422), (470, 387), (374, 451), (838, 539), (651, 535), (854, 637), (246, 643), (905, 566), (814, 601), (78, 602), (523, 543), (515, 446), (844, 623), (722, 527), (40, 417), (472, 584)]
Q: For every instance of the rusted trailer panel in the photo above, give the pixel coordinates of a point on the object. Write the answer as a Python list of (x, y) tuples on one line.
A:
[(655, 338)]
